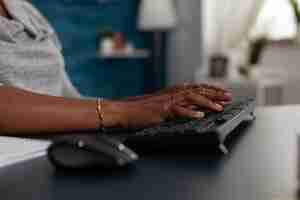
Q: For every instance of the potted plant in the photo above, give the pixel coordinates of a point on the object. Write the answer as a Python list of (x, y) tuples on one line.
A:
[(295, 7)]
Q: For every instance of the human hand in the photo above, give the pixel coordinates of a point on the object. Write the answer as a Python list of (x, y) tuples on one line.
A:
[(188, 101)]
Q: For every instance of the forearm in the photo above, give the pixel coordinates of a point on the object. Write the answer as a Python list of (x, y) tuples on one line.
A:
[(24, 112), (137, 98)]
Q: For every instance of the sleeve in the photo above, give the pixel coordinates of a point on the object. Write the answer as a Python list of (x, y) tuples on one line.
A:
[(68, 88), (5, 70), (43, 23)]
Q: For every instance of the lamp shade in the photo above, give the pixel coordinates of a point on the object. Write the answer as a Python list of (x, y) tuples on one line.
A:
[(157, 15)]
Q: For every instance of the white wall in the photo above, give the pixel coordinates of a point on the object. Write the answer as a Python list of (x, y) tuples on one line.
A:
[(185, 44)]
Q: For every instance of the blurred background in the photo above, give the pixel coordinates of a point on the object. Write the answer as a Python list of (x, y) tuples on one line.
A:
[(119, 48)]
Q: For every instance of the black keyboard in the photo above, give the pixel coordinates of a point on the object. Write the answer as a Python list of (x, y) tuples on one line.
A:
[(212, 130)]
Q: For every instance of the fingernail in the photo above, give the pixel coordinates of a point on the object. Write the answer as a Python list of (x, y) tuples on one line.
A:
[(219, 107), (200, 114), (228, 94), (225, 103)]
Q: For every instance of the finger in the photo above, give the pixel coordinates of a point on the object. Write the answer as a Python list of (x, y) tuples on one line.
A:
[(188, 105), (215, 87), (224, 103), (207, 86), (202, 101), (219, 92), (191, 107), (214, 94), (184, 112)]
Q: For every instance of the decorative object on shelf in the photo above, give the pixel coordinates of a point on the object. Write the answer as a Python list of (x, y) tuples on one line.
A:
[(119, 41), (157, 16), (104, 33), (107, 46), (218, 66), (295, 7), (115, 46), (129, 49)]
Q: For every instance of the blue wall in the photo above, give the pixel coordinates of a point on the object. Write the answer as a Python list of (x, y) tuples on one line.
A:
[(77, 23)]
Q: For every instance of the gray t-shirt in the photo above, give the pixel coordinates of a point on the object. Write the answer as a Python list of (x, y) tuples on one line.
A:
[(30, 52)]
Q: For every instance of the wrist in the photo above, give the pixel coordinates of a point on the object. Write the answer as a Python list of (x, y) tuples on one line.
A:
[(114, 114)]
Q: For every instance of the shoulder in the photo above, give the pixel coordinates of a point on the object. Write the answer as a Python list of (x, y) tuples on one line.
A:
[(29, 7), (35, 13), (41, 20)]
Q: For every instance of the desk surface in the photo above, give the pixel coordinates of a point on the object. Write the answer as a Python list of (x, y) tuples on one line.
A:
[(262, 165)]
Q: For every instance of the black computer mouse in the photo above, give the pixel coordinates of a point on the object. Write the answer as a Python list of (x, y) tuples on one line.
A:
[(83, 152)]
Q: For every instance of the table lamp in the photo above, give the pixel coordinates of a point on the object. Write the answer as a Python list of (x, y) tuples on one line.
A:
[(157, 16)]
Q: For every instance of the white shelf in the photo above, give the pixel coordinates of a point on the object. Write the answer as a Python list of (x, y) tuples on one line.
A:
[(136, 54)]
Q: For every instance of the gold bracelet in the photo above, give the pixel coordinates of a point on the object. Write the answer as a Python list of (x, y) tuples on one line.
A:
[(100, 114)]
